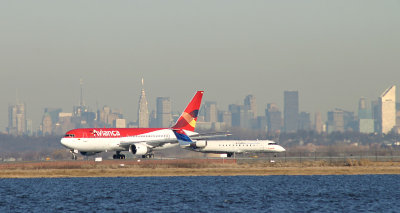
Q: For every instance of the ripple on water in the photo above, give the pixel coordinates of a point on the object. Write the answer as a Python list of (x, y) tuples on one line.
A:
[(374, 193)]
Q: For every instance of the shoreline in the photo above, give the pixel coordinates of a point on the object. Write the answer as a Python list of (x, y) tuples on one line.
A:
[(188, 167)]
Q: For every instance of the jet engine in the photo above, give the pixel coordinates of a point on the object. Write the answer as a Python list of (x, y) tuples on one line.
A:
[(201, 144), (138, 149)]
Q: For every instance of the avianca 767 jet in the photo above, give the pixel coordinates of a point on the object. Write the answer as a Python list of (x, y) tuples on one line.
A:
[(138, 141)]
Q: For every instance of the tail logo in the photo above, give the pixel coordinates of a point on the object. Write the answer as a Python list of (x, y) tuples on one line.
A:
[(190, 118)]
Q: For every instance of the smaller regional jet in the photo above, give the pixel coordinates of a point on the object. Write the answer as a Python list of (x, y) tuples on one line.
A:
[(228, 147)]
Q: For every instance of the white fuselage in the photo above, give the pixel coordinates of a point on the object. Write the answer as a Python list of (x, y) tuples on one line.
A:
[(239, 146), (99, 144)]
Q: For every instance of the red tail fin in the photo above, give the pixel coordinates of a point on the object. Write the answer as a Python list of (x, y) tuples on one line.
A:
[(187, 120)]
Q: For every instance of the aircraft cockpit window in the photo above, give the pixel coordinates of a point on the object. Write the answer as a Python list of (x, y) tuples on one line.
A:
[(69, 135), (271, 143)]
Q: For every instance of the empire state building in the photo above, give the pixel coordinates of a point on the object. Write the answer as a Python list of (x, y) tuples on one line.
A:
[(143, 111)]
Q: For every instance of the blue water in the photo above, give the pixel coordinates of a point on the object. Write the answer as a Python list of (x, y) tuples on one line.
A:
[(373, 193)]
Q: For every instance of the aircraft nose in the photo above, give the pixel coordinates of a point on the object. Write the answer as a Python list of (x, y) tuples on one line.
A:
[(281, 149), (64, 142)]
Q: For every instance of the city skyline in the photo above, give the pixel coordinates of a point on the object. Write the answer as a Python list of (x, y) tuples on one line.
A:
[(337, 51), (281, 107), (373, 116)]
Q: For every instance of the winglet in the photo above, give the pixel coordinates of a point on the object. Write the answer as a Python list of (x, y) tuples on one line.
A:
[(188, 119)]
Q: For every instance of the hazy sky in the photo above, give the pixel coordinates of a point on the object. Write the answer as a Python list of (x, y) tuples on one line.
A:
[(332, 52)]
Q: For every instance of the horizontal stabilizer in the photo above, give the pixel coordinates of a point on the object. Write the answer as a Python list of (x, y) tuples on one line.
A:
[(203, 136)]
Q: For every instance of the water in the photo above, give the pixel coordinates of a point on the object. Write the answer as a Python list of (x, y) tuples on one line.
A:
[(373, 193)]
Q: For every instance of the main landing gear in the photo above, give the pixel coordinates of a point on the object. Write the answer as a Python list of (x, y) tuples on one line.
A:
[(148, 155), (118, 155)]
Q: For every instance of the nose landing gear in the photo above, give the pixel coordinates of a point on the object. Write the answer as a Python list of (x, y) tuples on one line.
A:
[(74, 152)]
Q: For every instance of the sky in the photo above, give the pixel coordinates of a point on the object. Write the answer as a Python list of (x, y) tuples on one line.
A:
[(332, 52)]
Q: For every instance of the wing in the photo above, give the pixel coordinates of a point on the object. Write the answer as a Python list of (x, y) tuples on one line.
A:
[(151, 144), (203, 136)]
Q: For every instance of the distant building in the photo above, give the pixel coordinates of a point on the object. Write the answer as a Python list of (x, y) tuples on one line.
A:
[(350, 121), (107, 116), (103, 115), (340, 120), (53, 113), (335, 121), (120, 123), (82, 118), (366, 122), (143, 111), (17, 119), (47, 124), (366, 125), (164, 112), (291, 111), (387, 103), (318, 124), (210, 112), (304, 121), (29, 127), (225, 117), (249, 113), (64, 123), (274, 118), (375, 108), (261, 123), (237, 113), (153, 119), (250, 106), (398, 114), (364, 112)]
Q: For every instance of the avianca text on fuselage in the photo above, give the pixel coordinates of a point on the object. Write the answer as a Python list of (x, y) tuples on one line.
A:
[(105, 133)]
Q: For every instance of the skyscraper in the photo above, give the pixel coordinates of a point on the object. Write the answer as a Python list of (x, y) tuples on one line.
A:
[(211, 112), (304, 121), (318, 123), (274, 118), (250, 106), (375, 108), (335, 121), (17, 119), (47, 125), (291, 111), (164, 115), (225, 117), (237, 113), (143, 111), (365, 120), (387, 106), (78, 110), (249, 112)]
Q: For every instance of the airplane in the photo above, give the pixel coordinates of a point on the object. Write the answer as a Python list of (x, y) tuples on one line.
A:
[(138, 141), (229, 147)]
